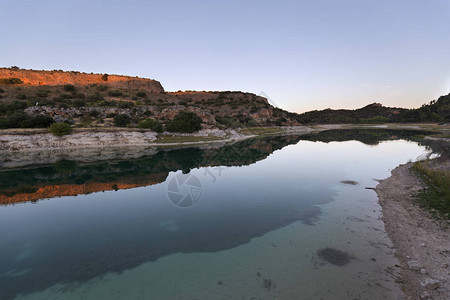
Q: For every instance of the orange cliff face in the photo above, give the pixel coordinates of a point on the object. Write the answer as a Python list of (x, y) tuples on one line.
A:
[(60, 190), (32, 77)]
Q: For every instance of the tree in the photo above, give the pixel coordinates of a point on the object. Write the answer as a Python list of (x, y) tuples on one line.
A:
[(185, 122), (60, 129), (151, 124), (105, 77), (122, 120)]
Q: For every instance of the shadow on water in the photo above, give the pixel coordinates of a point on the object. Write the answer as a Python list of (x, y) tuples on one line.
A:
[(115, 241)]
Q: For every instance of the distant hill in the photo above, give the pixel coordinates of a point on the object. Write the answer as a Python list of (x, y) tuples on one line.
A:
[(435, 111), (33, 99)]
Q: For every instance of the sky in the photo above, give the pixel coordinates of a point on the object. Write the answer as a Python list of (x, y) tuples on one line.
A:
[(303, 55)]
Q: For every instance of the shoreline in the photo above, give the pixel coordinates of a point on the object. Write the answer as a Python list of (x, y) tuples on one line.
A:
[(421, 244), (21, 140)]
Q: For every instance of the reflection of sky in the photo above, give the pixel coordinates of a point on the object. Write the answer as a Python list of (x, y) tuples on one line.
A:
[(111, 231), (303, 54)]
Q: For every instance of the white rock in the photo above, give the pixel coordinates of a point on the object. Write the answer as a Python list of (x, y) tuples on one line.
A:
[(423, 271), (431, 283), (415, 265)]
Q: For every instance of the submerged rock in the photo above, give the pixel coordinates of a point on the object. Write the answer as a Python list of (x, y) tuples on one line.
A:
[(334, 256), (351, 182)]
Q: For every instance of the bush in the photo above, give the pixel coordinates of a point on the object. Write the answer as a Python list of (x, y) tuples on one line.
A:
[(2, 90), (16, 105), (42, 94), (60, 129), (151, 124), (125, 104), (105, 77), (17, 119), (11, 80), (41, 121), (122, 120), (94, 113), (95, 97), (115, 93), (69, 87), (141, 94), (185, 122), (79, 103), (102, 88)]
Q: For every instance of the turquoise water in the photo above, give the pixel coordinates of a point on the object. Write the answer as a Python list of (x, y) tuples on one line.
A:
[(243, 222)]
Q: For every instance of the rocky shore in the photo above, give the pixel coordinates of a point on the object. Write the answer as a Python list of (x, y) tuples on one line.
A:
[(421, 243)]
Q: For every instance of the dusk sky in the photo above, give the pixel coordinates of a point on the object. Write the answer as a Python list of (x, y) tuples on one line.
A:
[(303, 54)]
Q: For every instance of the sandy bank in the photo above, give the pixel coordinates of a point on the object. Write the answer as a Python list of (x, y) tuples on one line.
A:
[(421, 244)]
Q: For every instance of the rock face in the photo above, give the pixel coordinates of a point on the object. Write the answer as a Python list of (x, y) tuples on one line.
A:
[(12, 142), (32, 77)]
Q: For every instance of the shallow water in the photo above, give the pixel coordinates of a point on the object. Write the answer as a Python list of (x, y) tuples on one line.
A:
[(216, 232)]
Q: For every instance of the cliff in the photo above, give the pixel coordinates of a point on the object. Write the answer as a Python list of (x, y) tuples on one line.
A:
[(33, 77), (92, 100)]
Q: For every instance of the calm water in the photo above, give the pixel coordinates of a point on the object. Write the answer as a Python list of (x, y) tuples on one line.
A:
[(243, 221)]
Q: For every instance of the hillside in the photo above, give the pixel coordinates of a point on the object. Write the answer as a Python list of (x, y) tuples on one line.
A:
[(435, 111), (36, 99), (31, 99)]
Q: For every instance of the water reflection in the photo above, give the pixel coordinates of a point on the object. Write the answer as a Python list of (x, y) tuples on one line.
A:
[(75, 239)]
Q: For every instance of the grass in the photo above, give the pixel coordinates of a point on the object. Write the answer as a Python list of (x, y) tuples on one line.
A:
[(261, 130), (437, 196)]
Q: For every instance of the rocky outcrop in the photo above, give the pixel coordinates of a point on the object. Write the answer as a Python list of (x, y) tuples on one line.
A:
[(33, 77), (14, 142), (161, 114), (230, 96)]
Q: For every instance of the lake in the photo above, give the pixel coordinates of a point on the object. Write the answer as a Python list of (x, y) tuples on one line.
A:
[(287, 217)]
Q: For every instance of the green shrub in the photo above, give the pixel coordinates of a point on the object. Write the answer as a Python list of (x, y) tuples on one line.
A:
[(41, 121), (115, 93), (11, 80), (95, 97), (16, 105), (42, 94), (185, 122), (60, 129), (151, 124), (122, 120), (69, 87), (105, 77), (141, 94), (102, 87), (125, 104), (79, 103), (94, 113), (21, 96), (2, 91)]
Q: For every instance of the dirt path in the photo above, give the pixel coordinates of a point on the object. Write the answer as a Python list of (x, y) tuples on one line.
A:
[(421, 244)]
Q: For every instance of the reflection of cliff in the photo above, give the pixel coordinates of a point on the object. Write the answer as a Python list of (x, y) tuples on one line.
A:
[(69, 178), (52, 191), (366, 136)]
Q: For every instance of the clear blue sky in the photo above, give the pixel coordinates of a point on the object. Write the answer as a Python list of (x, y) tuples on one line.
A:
[(303, 54)]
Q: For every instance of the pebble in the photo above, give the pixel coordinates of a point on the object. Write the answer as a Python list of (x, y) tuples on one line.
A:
[(425, 295), (431, 283), (415, 265), (423, 271), (422, 244)]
